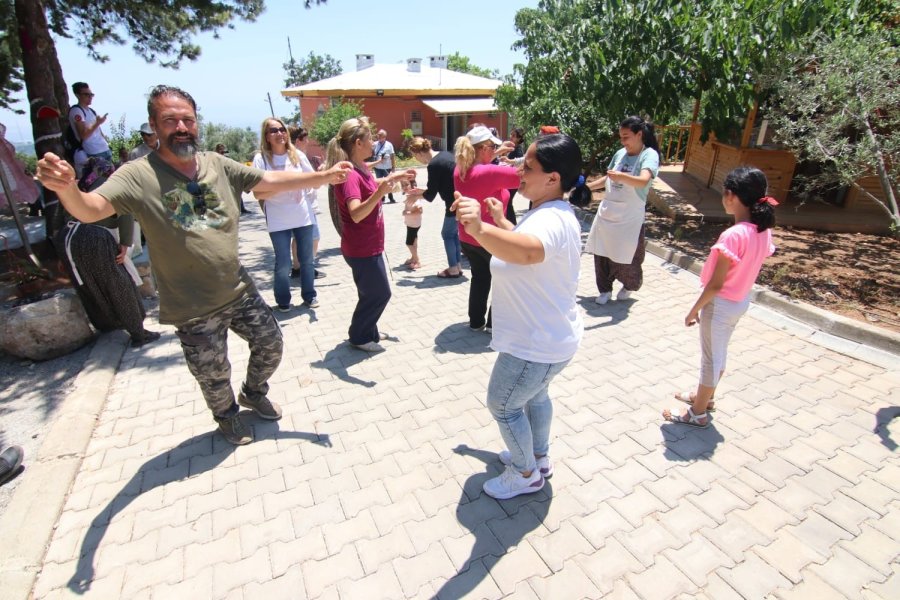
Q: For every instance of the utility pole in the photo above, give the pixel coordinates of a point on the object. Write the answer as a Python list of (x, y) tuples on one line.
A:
[(271, 109)]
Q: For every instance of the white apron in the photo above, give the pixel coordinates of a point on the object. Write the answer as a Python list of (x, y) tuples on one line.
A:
[(617, 225)]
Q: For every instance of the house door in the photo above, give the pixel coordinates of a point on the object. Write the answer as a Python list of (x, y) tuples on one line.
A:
[(456, 126)]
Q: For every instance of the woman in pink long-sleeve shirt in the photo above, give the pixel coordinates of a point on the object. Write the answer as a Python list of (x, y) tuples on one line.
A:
[(474, 177)]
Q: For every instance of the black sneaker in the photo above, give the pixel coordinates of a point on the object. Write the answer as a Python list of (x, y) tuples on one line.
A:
[(319, 274), (262, 406), (233, 430), (146, 337), (10, 461), (295, 273)]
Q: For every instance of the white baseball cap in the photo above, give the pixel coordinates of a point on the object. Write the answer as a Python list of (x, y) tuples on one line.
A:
[(482, 134)]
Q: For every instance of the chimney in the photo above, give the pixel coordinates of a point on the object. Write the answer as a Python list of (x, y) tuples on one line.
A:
[(364, 61), (438, 62), (414, 65)]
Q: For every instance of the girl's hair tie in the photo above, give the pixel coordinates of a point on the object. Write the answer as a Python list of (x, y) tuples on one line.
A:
[(580, 182), (768, 200)]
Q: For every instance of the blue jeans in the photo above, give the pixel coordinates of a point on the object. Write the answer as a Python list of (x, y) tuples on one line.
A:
[(106, 154), (519, 401), (281, 242), (450, 235), (374, 292)]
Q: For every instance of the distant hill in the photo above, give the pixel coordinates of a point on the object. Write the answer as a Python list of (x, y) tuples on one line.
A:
[(24, 147)]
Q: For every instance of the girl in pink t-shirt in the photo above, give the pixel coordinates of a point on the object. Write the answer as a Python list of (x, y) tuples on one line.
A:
[(729, 273)]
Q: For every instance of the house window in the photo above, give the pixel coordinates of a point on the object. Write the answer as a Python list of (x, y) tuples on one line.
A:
[(415, 122)]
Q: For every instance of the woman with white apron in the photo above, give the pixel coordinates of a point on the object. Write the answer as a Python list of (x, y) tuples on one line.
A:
[(617, 235)]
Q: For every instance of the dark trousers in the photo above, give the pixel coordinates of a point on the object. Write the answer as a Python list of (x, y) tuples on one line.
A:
[(631, 275), (510, 209), (379, 173), (374, 292), (480, 288)]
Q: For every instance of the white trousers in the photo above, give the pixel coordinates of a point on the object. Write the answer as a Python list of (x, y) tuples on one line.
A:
[(717, 322)]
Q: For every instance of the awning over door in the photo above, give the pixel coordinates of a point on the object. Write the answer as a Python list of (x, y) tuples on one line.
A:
[(459, 106)]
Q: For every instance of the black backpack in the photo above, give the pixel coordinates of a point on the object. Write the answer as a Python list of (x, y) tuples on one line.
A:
[(71, 143)]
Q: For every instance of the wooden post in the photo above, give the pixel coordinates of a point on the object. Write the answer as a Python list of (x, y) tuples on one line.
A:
[(687, 152), (748, 125)]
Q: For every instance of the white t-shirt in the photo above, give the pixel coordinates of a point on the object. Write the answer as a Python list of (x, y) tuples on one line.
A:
[(384, 151), (311, 195), (535, 316), (413, 219), (285, 210), (95, 143)]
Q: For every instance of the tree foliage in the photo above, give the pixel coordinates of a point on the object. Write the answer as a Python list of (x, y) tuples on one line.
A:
[(120, 138), (463, 64), (838, 105), (161, 31), (593, 62), (314, 67), (242, 143), (327, 125)]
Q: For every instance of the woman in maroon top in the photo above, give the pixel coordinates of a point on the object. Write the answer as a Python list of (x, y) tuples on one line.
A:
[(475, 177), (362, 229)]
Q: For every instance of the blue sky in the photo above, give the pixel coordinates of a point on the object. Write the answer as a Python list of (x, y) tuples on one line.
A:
[(233, 74)]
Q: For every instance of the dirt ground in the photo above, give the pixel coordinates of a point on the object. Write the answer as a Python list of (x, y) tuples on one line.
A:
[(855, 275)]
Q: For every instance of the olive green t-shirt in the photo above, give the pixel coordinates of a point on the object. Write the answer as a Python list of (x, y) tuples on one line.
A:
[(192, 237)]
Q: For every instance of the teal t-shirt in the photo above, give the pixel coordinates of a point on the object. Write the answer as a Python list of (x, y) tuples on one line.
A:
[(648, 158)]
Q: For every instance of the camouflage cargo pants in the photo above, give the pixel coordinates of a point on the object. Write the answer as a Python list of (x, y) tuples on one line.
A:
[(205, 345)]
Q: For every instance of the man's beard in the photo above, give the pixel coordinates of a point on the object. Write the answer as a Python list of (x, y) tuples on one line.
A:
[(184, 148)]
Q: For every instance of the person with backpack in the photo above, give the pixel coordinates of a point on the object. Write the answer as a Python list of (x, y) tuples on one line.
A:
[(85, 125)]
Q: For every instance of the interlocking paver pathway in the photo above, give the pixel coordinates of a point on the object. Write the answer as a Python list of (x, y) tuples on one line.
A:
[(370, 486)]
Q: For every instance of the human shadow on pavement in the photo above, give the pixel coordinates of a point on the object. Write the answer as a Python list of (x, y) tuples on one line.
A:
[(883, 419), (429, 281), (496, 525), (339, 359), (686, 443), (459, 339), (192, 457), (616, 310)]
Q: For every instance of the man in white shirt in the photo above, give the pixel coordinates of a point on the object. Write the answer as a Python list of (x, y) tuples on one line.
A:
[(385, 160), (86, 123), (149, 144)]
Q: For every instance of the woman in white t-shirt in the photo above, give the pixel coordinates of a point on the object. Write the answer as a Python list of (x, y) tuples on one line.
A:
[(537, 325), (288, 215)]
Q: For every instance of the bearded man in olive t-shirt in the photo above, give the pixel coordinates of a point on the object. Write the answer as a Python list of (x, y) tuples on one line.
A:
[(188, 204)]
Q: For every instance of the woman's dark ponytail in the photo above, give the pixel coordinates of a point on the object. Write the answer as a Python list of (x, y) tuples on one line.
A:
[(559, 153), (749, 184), (645, 128), (580, 195)]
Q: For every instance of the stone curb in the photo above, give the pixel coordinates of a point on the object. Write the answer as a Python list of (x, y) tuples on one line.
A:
[(29, 521), (823, 320)]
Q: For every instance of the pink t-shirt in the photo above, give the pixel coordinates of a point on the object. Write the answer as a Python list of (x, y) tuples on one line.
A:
[(366, 238), (485, 181), (747, 248)]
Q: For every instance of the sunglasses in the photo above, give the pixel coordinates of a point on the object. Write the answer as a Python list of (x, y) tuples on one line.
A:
[(193, 188), (90, 94), (277, 130)]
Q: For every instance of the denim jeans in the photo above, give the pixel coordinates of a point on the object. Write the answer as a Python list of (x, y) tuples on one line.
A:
[(374, 292), (281, 242), (450, 235), (519, 401)]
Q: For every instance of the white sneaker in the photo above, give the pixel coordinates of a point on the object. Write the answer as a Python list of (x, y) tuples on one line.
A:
[(603, 298), (314, 303), (543, 463), (623, 294), (511, 483), (370, 347)]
